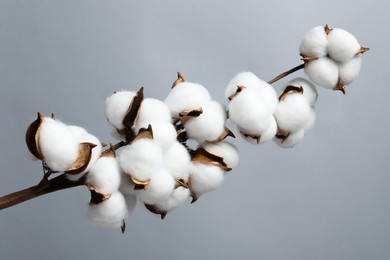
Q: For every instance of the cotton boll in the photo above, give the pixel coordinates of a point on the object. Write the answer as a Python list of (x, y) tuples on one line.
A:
[(160, 187), (209, 125), (309, 89), (126, 184), (292, 140), (131, 203), (204, 178), (105, 175), (342, 46), (314, 44), (249, 113), (177, 198), (293, 112), (164, 133), (186, 96), (225, 150), (142, 159), (177, 161), (311, 121), (153, 110), (109, 213), (324, 72), (117, 106), (350, 70), (58, 145)]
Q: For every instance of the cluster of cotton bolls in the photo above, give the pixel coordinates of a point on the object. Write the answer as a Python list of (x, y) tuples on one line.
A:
[(332, 57)]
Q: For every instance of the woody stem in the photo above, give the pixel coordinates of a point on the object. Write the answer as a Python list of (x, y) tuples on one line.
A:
[(286, 73)]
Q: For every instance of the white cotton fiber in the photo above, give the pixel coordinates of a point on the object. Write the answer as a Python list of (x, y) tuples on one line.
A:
[(186, 96), (324, 72), (249, 113), (342, 45), (205, 178), (314, 44), (105, 175), (164, 133), (77, 130), (209, 125), (224, 149), (270, 132), (293, 112), (142, 159), (311, 121), (309, 89), (126, 184), (117, 106), (58, 145), (109, 213), (131, 202), (292, 140), (177, 161), (350, 69), (160, 187), (177, 198), (153, 110)]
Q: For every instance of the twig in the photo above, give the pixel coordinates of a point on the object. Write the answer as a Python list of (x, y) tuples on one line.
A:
[(286, 73)]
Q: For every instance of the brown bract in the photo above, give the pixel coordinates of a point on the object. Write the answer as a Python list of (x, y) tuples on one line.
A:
[(226, 132), (139, 185), (96, 196), (180, 79), (189, 114), (32, 136), (206, 157), (255, 137), (83, 159), (282, 134), (238, 90), (290, 90), (133, 110), (144, 133), (154, 209)]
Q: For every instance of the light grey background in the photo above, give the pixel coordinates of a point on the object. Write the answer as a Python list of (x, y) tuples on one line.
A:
[(328, 198)]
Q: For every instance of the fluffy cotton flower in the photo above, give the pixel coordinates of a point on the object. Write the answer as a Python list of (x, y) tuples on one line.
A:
[(204, 178), (177, 198), (153, 110), (249, 113), (58, 145), (209, 125), (292, 140), (225, 150), (293, 112), (309, 89), (186, 96), (262, 88), (324, 72), (109, 213), (315, 43), (142, 159), (342, 45), (105, 175), (160, 187), (350, 70), (117, 106), (177, 161)]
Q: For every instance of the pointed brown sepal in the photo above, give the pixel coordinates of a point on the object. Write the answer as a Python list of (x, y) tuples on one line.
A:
[(194, 198), (181, 136), (97, 197), (226, 132), (187, 115), (84, 156), (133, 110), (32, 137), (290, 90), (206, 157), (238, 90), (144, 133), (307, 59), (327, 29), (362, 50), (340, 86), (156, 210), (123, 227), (283, 135), (53, 116), (255, 137), (140, 185), (109, 152), (180, 79)]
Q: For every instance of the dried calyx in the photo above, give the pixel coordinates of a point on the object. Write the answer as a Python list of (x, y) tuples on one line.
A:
[(180, 79), (206, 157), (132, 114), (238, 90), (32, 136)]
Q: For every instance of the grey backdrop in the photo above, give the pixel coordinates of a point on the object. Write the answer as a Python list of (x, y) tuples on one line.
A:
[(328, 198)]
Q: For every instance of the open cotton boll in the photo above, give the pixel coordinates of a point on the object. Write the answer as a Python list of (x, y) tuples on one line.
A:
[(324, 72), (205, 178), (249, 113), (109, 213), (142, 159), (58, 145), (224, 149), (209, 125), (160, 187), (342, 45), (314, 44), (292, 140), (309, 89), (186, 96), (350, 70), (117, 106), (105, 175), (131, 203), (153, 110), (293, 112), (177, 198), (177, 161), (126, 184), (164, 133)]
